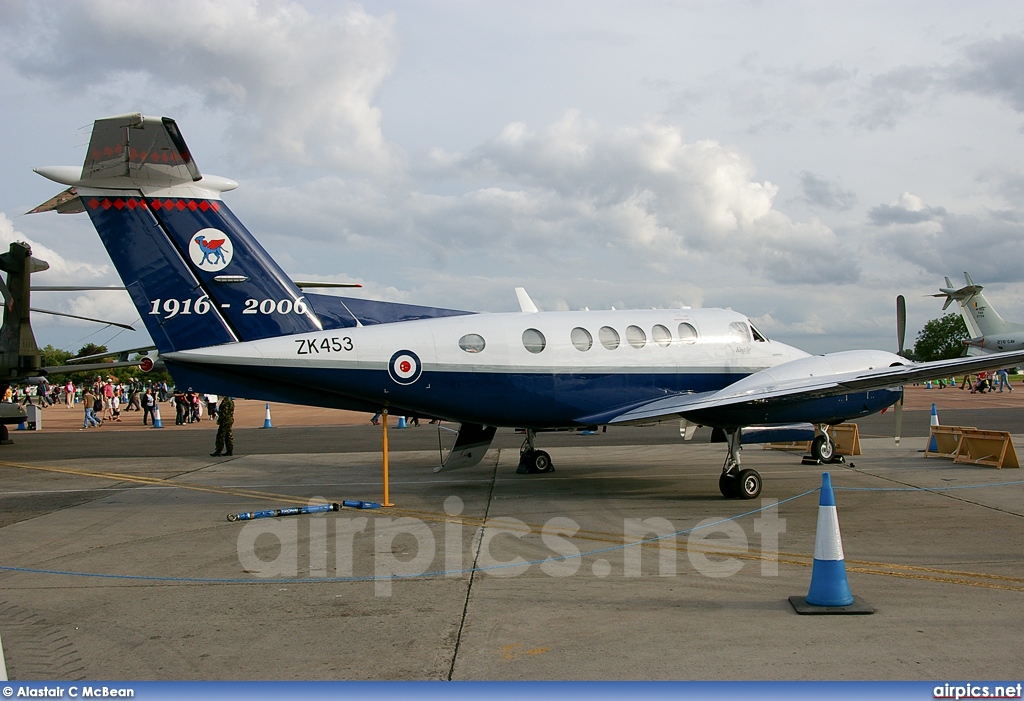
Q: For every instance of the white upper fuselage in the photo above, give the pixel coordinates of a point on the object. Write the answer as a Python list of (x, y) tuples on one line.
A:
[(643, 341), (569, 363)]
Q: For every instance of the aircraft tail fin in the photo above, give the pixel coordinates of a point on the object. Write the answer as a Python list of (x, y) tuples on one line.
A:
[(981, 319), (196, 275)]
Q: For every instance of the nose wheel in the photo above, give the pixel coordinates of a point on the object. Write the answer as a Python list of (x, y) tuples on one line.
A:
[(531, 460), (823, 448), (736, 482), (740, 484)]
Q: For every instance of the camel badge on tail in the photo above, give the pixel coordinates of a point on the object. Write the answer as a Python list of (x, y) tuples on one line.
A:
[(210, 250)]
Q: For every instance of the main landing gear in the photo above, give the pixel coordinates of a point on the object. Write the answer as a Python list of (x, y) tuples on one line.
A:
[(735, 482), (531, 460), (823, 448)]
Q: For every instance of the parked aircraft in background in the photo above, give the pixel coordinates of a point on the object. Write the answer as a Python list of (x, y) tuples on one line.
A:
[(989, 332), (20, 359), (226, 318)]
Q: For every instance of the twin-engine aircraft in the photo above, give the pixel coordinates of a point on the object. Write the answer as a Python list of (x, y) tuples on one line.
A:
[(989, 332), (225, 317)]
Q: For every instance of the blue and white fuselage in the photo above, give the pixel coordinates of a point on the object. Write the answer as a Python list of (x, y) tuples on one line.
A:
[(534, 370)]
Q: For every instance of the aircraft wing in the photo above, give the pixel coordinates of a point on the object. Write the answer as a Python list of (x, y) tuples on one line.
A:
[(765, 394)]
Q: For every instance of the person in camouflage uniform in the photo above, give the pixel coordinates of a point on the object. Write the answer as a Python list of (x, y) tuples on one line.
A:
[(225, 418)]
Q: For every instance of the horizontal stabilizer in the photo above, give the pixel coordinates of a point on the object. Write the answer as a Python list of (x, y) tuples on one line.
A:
[(66, 202), (123, 147)]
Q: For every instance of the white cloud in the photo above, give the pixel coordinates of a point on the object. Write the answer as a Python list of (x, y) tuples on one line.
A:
[(641, 190), (297, 85), (938, 241), (71, 271)]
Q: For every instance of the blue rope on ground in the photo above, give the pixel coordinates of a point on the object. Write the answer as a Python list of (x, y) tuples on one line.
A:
[(424, 575), (442, 573)]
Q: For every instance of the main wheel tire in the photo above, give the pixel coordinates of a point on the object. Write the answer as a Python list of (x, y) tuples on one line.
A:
[(729, 485), (541, 462), (748, 484), (823, 449)]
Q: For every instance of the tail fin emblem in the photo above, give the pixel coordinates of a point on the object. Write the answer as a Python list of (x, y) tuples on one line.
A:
[(210, 250)]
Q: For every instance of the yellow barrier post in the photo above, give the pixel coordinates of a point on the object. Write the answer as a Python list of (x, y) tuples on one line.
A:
[(384, 423)]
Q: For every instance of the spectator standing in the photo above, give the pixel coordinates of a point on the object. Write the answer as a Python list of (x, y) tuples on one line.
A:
[(148, 404), (88, 401), (225, 443)]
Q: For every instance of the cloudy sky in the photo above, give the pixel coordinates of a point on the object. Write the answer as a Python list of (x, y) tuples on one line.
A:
[(801, 162)]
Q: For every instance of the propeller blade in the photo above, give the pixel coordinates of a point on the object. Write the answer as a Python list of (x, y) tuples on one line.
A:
[(73, 288), (84, 318), (901, 322)]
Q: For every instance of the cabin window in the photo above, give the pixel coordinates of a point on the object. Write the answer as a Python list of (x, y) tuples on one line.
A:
[(472, 343), (758, 336), (661, 335), (582, 339), (534, 340), (636, 336), (609, 337), (739, 332), (687, 334)]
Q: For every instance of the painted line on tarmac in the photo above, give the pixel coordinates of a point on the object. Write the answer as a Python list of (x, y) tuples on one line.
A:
[(162, 482), (860, 566)]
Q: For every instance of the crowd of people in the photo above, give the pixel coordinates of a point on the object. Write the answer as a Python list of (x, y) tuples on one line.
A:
[(979, 384), (988, 382), (107, 400)]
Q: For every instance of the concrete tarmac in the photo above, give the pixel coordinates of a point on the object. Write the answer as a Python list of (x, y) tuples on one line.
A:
[(118, 562)]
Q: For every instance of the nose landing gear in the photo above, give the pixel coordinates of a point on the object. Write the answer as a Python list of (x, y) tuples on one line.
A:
[(531, 460), (736, 482)]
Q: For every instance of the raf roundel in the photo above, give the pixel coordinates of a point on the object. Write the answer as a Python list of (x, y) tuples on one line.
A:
[(210, 250), (405, 367)]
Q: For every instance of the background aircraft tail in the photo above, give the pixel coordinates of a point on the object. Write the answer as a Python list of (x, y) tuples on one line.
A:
[(196, 275), (981, 319)]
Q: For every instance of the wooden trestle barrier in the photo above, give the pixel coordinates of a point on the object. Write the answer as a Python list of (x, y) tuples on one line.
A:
[(973, 446)]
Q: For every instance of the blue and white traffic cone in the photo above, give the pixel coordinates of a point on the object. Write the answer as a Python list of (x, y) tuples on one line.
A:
[(933, 446), (266, 420), (829, 591), (157, 423), (402, 422)]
